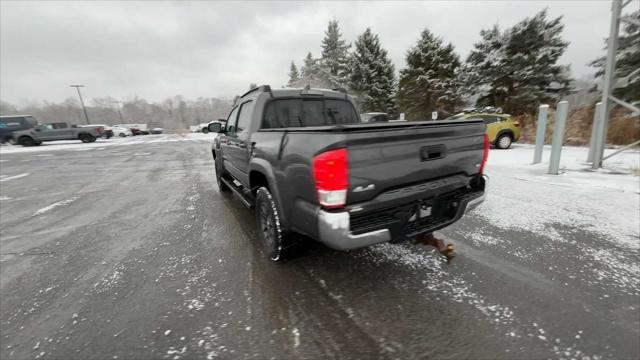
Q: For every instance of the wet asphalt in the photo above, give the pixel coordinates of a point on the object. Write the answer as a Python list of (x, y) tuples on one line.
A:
[(130, 252)]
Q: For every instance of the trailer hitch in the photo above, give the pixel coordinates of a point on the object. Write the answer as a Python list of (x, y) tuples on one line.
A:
[(446, 250)]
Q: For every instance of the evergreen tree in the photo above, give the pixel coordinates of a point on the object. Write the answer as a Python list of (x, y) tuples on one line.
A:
[(627, 60), (517, 69), (372, 75), (294, 75), (313, 74), (334, 57), (430, 82)]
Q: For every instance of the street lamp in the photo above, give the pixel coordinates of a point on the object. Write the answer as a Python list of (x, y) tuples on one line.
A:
[(119, 112), (86, 117)]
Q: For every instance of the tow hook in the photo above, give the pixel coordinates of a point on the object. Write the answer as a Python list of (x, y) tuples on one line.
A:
[(446, 250)]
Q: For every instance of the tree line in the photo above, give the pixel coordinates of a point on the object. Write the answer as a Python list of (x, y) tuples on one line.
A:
[(175, 113), (514, 68)]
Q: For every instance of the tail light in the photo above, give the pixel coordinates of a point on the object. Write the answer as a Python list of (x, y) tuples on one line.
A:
[(485, 155), (331, 176), (98, 130)]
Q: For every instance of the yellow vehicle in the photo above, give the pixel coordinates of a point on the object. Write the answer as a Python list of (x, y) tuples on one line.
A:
[(501, 128)]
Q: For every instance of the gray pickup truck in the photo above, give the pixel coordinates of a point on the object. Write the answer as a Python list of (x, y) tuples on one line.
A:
[(306, 162), (56, 131)]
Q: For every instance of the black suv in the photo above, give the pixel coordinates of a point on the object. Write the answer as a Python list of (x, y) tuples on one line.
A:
[(11, 123)]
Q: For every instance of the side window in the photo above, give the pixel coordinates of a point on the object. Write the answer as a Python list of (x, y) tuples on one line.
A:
[(489, 119), (244, 118), (231, 122)]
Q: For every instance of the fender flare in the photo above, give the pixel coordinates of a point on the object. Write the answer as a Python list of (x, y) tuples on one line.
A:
[(262, 166), (505, 131)]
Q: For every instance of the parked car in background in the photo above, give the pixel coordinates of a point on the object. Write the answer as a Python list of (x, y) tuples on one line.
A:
[(501, 128), (374, 117), (156, 131), (107, 132), (137, 129), (57, 131), (10, 124), (121, 131)]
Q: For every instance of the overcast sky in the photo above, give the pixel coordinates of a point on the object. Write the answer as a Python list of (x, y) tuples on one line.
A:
[(215, 49)]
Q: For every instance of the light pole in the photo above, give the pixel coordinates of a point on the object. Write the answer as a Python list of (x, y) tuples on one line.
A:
[(119, 112), (86, 117)]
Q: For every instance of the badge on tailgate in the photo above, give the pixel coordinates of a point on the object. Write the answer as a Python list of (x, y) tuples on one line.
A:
[(432, 152)]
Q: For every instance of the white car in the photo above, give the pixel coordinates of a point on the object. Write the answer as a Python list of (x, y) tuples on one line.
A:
[(121, 131)]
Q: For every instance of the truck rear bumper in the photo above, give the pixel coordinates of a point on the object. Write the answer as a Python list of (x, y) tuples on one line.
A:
[(335, 232), (335, 228)]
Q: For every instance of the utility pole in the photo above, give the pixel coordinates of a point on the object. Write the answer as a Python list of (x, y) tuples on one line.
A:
[(86, 117), (119, 112), (609, 82)]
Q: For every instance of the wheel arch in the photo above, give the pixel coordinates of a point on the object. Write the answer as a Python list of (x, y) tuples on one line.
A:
[(507, 132), (261, 174)]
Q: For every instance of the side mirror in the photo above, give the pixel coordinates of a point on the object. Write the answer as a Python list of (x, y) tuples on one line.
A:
[(215, 127)]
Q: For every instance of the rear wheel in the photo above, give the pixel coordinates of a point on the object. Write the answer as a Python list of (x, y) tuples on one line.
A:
[(26, 141), (205, 130), (504, 141), (274, 238), (122, 135), (86, 138)]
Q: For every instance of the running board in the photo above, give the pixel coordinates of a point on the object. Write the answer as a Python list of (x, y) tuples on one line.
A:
[(238, 191)]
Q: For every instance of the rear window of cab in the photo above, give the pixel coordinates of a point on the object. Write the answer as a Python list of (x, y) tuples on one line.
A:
[(308, 112)]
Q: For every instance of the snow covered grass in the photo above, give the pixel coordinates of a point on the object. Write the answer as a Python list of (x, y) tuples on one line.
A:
[(524, 197)]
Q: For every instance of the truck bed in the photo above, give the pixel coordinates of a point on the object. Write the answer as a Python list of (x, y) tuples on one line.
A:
[(390, 164)]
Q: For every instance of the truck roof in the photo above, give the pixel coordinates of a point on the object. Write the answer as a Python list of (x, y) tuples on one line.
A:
[(296, 92)]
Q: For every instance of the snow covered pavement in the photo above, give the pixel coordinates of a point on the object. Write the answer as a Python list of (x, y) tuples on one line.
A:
[(128, 250)]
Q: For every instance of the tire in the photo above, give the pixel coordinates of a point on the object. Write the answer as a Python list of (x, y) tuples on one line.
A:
[(26, 141), (504, 141), (38, 143), (205, 130), (275, 240), (122, 135), (86, 138), (219, 173)]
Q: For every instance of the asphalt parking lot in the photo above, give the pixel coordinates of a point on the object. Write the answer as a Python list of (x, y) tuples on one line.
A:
[(122, 252)]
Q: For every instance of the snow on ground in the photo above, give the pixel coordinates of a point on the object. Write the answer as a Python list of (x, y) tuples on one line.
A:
[(54, 205), (101, 144), (525, 197)]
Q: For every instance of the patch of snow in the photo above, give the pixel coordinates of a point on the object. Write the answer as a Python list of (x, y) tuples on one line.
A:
[(296, 337), (524, 197), (4, 178), (54, 205)]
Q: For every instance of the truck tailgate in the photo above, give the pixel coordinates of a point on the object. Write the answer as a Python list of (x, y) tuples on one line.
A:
[(396, 158)]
